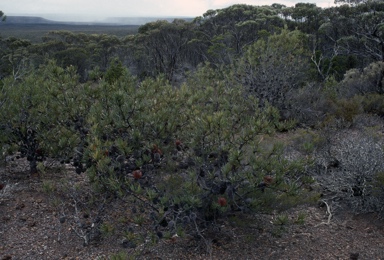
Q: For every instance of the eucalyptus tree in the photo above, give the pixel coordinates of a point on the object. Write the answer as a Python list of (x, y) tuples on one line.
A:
[(351, 2), (85, 52), (308, 17), (224, 33), (367, 32), (104, 49), (327, 57), (14, 56), (355, 32), (272, 67), (163, 47)]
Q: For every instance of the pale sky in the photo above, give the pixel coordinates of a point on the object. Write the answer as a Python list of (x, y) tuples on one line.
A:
[(93, 10)]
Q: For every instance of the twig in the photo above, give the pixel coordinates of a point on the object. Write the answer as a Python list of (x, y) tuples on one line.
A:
[(80, 233), (61, 222), (208, 243), (329, 214)]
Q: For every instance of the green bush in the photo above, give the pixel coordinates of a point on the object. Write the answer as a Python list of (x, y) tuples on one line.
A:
[(44, 115), (360, 82), (271, 68), (373, 103), (188, 155), (346, 110), (185, 156), (23, 116), (343, 112)]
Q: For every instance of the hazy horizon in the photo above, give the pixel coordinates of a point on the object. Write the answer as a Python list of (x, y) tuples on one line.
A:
[(99, 11), (74, 18)]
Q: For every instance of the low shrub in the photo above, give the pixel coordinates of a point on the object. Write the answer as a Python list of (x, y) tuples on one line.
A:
[(191, 155), (373, 103), (349, 170)]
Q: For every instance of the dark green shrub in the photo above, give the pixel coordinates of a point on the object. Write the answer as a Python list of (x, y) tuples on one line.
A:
[(114, 72), (23, 116), (184, 157), (181, 152), (44, 115)]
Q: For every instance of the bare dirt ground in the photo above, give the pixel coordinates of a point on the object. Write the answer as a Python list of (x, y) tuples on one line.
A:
[(39, 220)]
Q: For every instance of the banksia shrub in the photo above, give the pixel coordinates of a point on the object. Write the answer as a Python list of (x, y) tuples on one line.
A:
[(138, 127), (44, 114), (25, 119), (185, 156)]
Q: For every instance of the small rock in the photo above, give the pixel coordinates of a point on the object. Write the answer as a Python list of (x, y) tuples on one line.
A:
[(128, 244), (31, 223), (354, 256), (62, 219), (349, 226), (20, 206), (369, 230), (23, 229)]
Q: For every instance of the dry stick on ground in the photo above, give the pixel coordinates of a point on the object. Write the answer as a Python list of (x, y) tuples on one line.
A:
[(329, 214), (80, 232), (208, 243), (61, 220)]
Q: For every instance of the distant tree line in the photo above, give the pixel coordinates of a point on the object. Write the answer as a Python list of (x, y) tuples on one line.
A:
[(337, 38)]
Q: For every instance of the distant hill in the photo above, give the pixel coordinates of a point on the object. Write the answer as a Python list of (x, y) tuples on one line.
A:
[(35, 28), (29, 20), (141, 20), (26, 20)]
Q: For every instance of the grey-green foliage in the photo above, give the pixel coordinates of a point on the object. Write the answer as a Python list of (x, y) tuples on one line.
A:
[(162, 47), (360, 82), (364, 31), (273, 67), (15, 57)]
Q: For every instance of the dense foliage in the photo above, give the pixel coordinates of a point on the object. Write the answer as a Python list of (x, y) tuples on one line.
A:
[(174, 118)]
